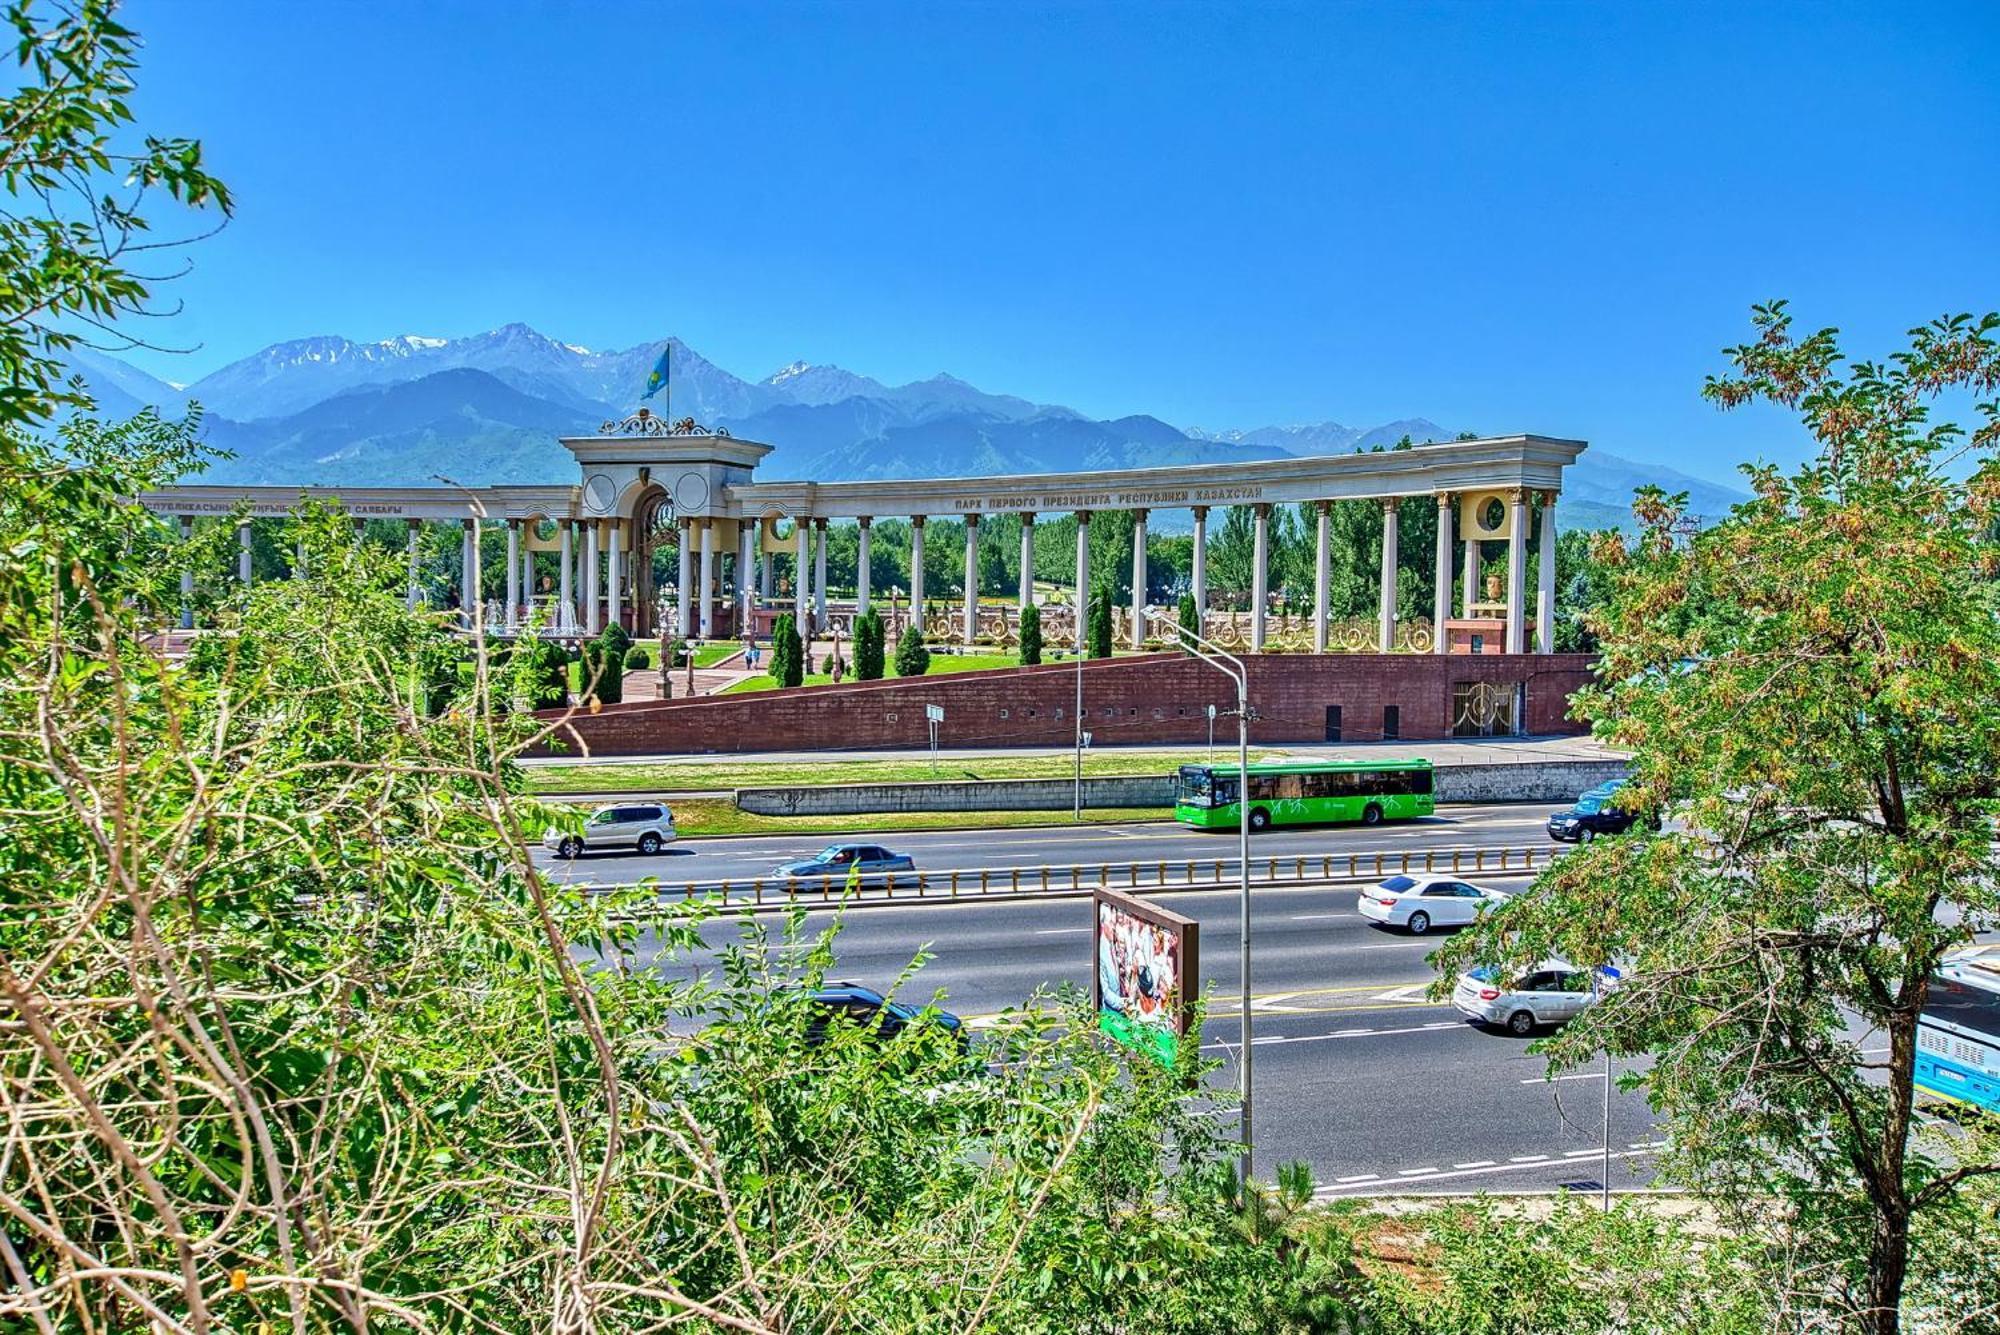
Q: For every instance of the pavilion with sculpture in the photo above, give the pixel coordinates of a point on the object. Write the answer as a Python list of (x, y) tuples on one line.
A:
[(643, 481)]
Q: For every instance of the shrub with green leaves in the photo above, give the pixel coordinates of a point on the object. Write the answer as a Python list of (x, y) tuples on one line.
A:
[(870, 645), (913, 657), (1031, 635), (1099, 625), (638, 657), (788, 655), (1189, 618)]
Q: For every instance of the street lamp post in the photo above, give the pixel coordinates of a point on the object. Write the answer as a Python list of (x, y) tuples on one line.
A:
[(1232, 667), (1079, 726)]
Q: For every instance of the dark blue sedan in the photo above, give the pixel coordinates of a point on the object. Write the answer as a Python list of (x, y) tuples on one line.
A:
[(849, 864)]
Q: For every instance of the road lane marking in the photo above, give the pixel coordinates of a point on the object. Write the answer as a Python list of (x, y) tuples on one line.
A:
[(1277, 1040), (1360, 1177), (1475, 1163), (1411, 992), (1060, 931), (1515, 1165), (1315, 917), (1551, 1079)]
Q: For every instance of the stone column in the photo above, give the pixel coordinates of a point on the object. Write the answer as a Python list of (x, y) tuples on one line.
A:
[(767, 564), (1027, 560), (527, 580), (801, 573), (513, 570), (746, 577), (187, 577), (1471, 593), (1260, 577), (971, 579), (299, 559), (1441, 599), (1545, 584), (1082, 578), (1322, 575), (1517, 571), (684, 588), (1138, 579), (411, 528), (819, 574), (1386, 634), (1200, 580), (468, 581), (243, 553), (565, 606), (917, 569), (706, 582), (862, 574), (590, 603), (613, 593)]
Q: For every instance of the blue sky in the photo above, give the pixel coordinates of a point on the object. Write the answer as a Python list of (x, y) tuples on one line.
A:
[(1502, 217)]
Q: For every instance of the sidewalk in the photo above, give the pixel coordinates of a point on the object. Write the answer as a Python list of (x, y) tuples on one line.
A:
[(1465, 751)]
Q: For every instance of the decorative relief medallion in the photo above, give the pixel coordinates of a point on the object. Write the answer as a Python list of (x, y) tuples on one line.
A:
[(600, 493), (691, 492)]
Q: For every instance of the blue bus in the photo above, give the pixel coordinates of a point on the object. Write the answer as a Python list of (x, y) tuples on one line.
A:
[(1958, 1038)]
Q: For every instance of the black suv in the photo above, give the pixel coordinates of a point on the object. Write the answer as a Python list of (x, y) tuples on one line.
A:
[(1590, 817)]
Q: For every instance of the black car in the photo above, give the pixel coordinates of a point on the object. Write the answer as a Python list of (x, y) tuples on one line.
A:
[(869, 1010), (1590, 817)]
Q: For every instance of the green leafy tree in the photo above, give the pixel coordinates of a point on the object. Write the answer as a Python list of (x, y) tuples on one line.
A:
[(1031, 635), (788, 655), (1809, 689), (913, 657), (870, 643), (1188, 616), (1098, 627), (1582, 585), (76, 213)]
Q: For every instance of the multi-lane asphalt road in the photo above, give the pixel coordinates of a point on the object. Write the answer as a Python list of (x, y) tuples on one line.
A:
[(1356, 1073), (1501, 825)]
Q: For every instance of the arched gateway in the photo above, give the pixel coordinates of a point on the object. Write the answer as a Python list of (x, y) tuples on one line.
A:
[(644, 482)]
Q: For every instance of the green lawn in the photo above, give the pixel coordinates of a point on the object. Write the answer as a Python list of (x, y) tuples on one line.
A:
[(940, 665), (711, 816), (708, 655), (694, 775)]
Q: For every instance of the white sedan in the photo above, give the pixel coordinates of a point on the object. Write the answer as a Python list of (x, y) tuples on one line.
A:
[(1419, 903)]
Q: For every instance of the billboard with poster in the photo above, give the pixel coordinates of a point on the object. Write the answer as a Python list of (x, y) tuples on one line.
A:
[(1145, 968)]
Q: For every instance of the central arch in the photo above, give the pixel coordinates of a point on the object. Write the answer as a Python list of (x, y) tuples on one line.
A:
[(653, 525)]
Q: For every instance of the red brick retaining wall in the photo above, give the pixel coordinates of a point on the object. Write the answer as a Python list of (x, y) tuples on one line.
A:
[(1150, 698)]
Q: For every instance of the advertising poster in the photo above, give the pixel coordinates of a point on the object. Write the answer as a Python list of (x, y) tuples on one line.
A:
[(1145, 967)]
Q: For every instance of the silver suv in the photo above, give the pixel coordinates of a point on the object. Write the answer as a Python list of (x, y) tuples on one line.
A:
[(1550, 993), (645, 826)]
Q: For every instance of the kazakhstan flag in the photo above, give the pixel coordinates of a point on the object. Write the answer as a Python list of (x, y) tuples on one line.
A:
[(656, 380)]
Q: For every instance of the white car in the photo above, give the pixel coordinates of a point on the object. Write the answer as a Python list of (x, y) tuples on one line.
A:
[(1419, 903), (1550, 993), (645, 826)]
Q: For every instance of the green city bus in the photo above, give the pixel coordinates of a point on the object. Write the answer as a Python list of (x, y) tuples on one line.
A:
[(1305, 793)]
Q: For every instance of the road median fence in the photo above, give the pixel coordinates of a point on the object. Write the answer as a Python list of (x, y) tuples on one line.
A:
[(1178, 875)]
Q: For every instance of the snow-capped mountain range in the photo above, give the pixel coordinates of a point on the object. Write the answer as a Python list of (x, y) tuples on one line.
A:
[(487, 408)]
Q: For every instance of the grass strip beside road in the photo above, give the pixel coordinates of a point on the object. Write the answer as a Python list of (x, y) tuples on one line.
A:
[(698, 817), (722, 775)]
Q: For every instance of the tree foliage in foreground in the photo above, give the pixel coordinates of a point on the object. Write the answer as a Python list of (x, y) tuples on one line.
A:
[(1813, 687)]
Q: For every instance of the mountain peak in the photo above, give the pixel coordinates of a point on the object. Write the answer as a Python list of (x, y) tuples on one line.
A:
[(791, 372)]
